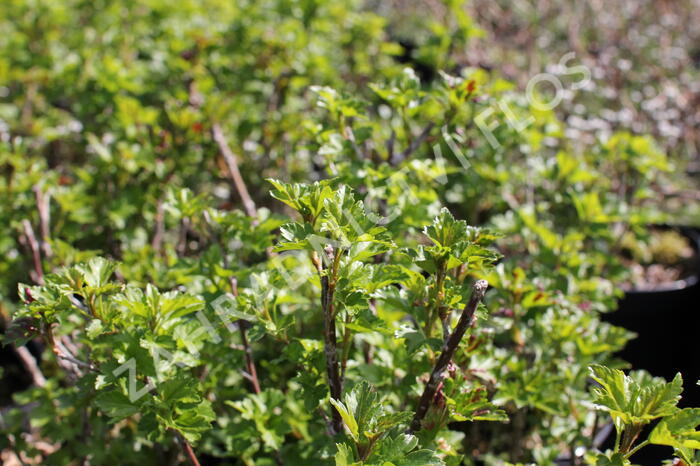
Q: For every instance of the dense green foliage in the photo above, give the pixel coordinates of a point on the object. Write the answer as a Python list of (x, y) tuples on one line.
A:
[(235, 227)]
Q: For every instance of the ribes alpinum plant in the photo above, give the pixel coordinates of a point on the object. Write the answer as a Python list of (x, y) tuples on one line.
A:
[(249, 233)]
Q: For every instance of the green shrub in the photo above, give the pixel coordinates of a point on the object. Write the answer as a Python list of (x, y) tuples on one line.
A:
[(341, 315)]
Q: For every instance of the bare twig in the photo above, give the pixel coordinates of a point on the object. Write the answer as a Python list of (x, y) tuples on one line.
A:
[(249, 361), (414, 145), (61, 353), (329, 333), (232, 165), (42, 205), (251, 372), (30, 365), (32, 243), (187, 449), (681, 194), (69, 345), (65, 359), (448, 351)]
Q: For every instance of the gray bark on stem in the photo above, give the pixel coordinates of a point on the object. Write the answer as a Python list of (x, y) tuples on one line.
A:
[(448, 351), (335, 383)]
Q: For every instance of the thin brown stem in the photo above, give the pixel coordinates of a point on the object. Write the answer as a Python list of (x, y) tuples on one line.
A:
[(187, 449), (33, 244), (414, 145), (30, 365), (247, 349), (64, 358), (249, 361), (232, 165), (448, 351), (251, 371), (629, 436), (42, 205)]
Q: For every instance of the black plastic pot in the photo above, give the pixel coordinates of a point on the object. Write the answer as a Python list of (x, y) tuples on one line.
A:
[(666, 322)]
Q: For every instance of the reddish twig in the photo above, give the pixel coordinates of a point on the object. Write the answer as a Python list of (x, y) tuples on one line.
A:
[(232, 165), (448, 351), (251, 371), (33, 244), (247, 350), (187, 449)]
